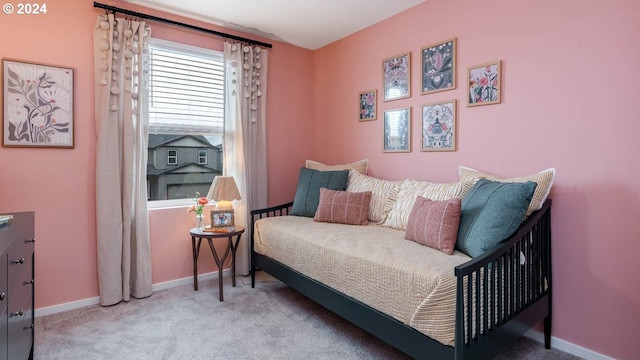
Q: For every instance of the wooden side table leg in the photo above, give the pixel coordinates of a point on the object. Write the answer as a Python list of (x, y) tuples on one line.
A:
[(195, 251), (234, 247), (219, 263)]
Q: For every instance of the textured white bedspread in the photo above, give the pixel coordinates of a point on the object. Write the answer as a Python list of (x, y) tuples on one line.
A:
[(413, 283)]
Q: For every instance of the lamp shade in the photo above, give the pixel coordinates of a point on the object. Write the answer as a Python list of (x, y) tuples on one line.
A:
[(223, 190)]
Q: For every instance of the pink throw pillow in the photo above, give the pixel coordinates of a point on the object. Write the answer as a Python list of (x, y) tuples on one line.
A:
[(343, 207), (434, 223)]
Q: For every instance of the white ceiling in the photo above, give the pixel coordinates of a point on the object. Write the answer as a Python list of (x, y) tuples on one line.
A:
[(310, 24)]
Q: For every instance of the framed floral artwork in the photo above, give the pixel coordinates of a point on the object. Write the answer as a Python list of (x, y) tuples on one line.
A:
[(485, 86), (397, 130), (397, 77), (367, 104), (439, 66), (38, 105), (439, 126)]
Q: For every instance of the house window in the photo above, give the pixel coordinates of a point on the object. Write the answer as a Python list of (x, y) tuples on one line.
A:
[(202, 156), (186, 116), (172, 157)]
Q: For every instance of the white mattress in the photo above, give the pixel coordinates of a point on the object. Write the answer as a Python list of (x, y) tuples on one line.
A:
[(410, 282)]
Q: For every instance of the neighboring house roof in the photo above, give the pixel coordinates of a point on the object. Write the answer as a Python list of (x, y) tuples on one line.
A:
[(180, 169), (156, 141)]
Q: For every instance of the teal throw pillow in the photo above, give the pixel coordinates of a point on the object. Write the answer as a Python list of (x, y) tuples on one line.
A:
[(305, 203), (490, 213)]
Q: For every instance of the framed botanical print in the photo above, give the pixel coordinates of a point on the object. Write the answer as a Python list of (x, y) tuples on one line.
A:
[(397, 77), (485, 85), (367, 104), (397, 130), (439, 66), (38, 105), (439, 126)]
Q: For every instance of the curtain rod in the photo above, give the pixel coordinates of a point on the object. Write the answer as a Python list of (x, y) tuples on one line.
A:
[(176, 23)]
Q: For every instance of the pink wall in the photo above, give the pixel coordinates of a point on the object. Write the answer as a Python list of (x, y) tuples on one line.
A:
[(570, 102), (59, 184), (569, 80)]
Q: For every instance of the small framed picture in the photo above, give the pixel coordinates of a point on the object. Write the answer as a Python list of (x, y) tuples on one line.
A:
[(397, 130), (367, 103), (439, 126), (38, 105), (222, 218), (439, 66), (397, 77), (485, 86)]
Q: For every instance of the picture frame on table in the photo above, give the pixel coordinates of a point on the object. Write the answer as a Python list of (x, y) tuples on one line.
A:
[(396, 73), (438, 66), (367, 103), (397, 130), (485, 84), (439, 126), (38, 105), (222, 218)]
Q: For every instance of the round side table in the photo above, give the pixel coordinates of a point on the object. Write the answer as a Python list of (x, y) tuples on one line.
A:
[(232, 246)]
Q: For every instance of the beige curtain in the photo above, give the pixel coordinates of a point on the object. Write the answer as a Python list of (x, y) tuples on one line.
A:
[(124, 251), (245, 125)]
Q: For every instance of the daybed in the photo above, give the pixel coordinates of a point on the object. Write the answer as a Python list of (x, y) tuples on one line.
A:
[(429, 302)]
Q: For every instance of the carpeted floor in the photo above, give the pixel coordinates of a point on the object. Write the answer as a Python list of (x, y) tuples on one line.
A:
[(271, 321)]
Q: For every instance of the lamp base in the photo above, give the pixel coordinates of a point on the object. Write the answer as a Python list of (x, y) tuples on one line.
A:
[(224, 205)]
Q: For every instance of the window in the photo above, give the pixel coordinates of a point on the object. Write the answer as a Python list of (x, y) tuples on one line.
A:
[(202, 156), (186, 116), (172, 157)]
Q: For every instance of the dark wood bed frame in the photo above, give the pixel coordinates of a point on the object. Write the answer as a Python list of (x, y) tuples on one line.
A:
[(499, 310)]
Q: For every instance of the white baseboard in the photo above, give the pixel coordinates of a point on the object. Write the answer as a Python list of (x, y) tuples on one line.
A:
[(556, 343), (567, 347), (96, 300)]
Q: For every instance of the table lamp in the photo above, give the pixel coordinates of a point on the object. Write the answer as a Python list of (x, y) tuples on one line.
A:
[(223, 190)]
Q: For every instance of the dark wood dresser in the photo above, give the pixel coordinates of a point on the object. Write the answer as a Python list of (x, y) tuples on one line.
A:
[(16, 286)]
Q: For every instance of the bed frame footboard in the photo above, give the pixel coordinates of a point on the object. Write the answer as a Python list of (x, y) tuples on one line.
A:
[(500, 295), (503, 293)]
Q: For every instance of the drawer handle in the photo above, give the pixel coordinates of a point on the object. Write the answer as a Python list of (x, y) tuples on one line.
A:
[(30, 241), (28, 282), (2, 296), (28, 327), (19, 261), (19, 313)]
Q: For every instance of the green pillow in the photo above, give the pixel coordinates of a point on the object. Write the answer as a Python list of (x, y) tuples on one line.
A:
[(490, 213), (305, 203)]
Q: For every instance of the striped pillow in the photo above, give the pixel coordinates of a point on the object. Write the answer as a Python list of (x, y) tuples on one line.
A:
[(409, 191), (383, 193), (434, 223), (343, 207), (544, 179)]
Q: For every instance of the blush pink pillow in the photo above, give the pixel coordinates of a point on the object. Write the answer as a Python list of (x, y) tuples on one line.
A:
[(343, 207), (434, 223)]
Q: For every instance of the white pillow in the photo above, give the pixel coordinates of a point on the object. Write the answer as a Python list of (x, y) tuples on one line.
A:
[(359, 166), (544, 179), (383, 193), (408, 193)]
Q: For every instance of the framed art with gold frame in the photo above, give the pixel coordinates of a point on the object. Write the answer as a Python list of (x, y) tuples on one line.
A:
[(396, 72), (397, 130), (38, 105)]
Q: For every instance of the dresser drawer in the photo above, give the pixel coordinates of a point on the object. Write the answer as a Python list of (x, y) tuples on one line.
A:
[(4, 296), (20, 263), (20, 329)]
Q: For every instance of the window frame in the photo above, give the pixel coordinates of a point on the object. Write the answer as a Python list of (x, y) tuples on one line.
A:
[(206, 157), (195, 50), (174, 157)]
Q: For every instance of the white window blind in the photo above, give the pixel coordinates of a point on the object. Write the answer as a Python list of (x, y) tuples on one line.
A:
[(186, 89)]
